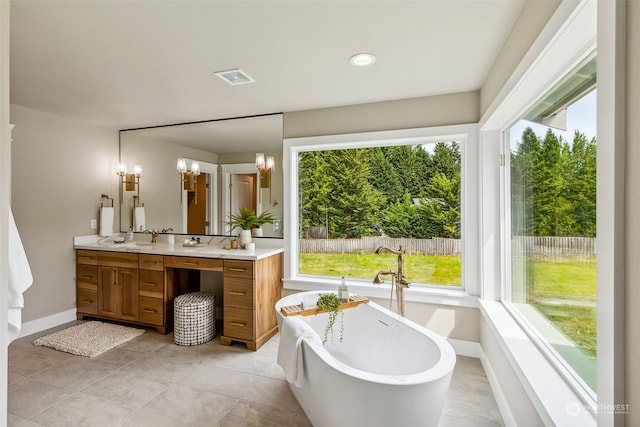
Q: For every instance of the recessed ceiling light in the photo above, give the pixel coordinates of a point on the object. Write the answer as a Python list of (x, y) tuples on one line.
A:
[(234, 77), (362, 59)]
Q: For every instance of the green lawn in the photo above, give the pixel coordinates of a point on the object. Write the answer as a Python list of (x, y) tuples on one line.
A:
[(444, 270), (564, 280)]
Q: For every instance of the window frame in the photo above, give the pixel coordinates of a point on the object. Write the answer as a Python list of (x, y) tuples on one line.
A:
[(559, 52), (562, 366), (465, 133)]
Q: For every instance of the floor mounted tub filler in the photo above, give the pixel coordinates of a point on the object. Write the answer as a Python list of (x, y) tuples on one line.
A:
[(386, 370)]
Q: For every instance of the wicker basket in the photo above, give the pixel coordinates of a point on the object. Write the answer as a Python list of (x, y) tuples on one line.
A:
[(194, 318)]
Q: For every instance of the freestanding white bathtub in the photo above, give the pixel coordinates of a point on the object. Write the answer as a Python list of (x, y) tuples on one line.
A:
[(387, 371)]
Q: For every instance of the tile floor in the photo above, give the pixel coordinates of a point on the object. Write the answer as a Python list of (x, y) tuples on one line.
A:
[(150, 381)]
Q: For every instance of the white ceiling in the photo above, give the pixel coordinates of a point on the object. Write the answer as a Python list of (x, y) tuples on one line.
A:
[(127, 64)]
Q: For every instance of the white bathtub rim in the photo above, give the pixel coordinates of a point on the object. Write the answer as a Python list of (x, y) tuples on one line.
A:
[(443, 367)]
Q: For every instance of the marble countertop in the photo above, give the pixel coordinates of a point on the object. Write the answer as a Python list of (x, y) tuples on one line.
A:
[(213, 250)]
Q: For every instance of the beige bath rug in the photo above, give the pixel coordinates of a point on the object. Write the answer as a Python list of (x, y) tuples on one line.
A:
[(89, 339)]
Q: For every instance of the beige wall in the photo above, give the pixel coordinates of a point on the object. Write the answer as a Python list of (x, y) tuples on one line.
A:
[(632, 208), (60, 167), (534, 16), (452, 109)]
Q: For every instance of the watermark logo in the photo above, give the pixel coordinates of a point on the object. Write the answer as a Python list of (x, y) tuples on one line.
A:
[(574, 408)]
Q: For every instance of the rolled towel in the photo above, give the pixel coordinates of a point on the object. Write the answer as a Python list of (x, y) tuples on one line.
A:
[(290, 357), (106, 221), (138, 218)]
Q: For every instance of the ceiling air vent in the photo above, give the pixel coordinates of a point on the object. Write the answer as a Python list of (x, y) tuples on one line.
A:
[(234, 77)]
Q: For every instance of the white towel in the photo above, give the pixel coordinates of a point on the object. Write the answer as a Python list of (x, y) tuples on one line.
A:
[(138, 219), (106, 221), (20, 278), (290, 357)]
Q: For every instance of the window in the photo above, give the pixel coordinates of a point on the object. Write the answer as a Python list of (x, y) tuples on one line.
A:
[(396, 188), (551, 201)]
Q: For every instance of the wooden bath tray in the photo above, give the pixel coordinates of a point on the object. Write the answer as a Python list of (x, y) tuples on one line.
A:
[(296, 310)]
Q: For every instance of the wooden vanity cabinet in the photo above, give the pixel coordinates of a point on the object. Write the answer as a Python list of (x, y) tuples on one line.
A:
[(121, 286), (251, 289), (118, 285), (87, 282), (140, 288), (152, 305)]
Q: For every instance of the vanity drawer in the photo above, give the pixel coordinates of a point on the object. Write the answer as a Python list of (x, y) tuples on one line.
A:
[(87, 257), (150, 310), (87, 277), (87, 301), (238, 323), (151, 262), (234, 268), (151, 283), (208, 264), (117, 259), (238, 292)]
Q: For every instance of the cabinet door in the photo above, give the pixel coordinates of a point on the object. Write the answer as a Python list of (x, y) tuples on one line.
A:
[(118, 292), (128, 288), (108, 295)]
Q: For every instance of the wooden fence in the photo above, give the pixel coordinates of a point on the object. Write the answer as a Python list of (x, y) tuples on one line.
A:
[(550, 247), (435, 246), (554, 247)]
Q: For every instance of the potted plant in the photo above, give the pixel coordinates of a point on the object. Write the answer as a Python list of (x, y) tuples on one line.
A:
[(245, 219), (265, 217), (330, 303)]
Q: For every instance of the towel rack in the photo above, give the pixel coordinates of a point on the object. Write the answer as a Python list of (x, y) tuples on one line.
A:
[(136, 202), (104, 196)]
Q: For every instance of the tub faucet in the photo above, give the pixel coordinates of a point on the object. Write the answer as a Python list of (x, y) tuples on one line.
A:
[(398, 278)]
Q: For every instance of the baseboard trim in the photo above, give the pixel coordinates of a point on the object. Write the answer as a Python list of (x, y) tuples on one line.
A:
[(465, 348), (38, 325), (501, 399)]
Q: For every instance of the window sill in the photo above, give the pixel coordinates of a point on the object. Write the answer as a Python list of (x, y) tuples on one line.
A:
[(451, 297), (555, 400)]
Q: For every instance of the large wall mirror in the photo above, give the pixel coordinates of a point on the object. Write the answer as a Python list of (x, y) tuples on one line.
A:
[(224, 152)]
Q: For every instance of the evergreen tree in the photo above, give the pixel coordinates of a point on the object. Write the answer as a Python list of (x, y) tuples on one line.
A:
[(406, 163), (354, 203), (314, 189), (384, 176), (523, 164), (581, 187), (549, 202)]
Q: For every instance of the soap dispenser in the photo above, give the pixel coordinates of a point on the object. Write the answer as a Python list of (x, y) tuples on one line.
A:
[(343, 291), (130, 234)]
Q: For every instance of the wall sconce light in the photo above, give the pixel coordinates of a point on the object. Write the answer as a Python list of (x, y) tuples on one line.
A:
[(265, 166), (131, 181), (188, 178)]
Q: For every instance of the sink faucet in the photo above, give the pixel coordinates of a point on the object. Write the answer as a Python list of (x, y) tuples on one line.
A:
[(397, 277), (154, 233)]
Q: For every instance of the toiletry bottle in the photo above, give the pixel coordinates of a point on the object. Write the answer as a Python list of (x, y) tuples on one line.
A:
[(130, 234), (343, 291)]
